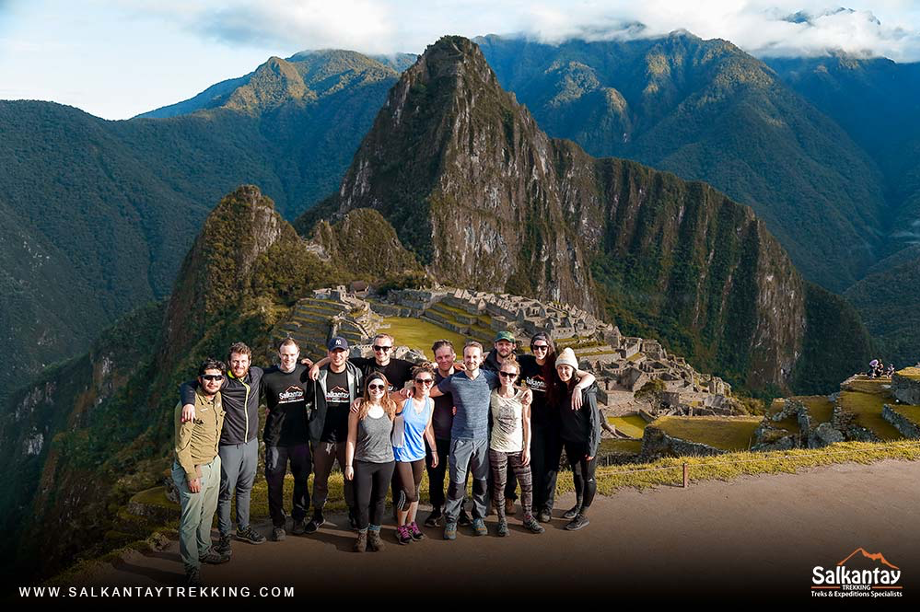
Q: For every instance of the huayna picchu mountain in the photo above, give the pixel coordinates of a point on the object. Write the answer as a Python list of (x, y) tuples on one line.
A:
[(486, 200)]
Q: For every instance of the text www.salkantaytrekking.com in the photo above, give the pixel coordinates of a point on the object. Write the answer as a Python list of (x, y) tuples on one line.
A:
[(138, 592)]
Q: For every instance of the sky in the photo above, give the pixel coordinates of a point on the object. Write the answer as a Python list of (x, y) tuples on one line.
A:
[(118, 58)]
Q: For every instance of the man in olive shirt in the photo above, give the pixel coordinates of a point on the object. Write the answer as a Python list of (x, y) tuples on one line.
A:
[(196, 471)]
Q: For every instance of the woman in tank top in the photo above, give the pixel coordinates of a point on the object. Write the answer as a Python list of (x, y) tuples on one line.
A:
[(369, 458), (509, 443), (413, 427)]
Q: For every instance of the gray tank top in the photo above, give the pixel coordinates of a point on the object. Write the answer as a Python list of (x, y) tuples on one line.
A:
[(373, 444)]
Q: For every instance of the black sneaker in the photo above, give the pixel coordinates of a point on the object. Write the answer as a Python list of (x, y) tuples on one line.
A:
[(315, 523), (298, 528), (502, 528), (213, 557), (434, 519), (464, 520), (193, 577), (223, 545), (578, 522), (278, 534), (572, 512), (545, 516), (249, 535), (531, 525)]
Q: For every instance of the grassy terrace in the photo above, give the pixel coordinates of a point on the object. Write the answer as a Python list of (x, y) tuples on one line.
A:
[(868, 410), (632, 425), (730, 434), (420, 334), (911, 373), (624, 447), (911, 413), (820, 409)]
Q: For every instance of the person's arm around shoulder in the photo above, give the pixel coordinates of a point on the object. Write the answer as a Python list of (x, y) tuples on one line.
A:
[(585, 380), (525, 424), (187, 395), (429, 434), (184, 453), (350, 445), (594, 418)]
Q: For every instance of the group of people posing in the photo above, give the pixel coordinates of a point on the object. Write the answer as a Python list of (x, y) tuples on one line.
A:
[(501, 418)]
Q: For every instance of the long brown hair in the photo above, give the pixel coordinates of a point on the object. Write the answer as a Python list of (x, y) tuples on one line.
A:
[(389, 406), (548, 369)]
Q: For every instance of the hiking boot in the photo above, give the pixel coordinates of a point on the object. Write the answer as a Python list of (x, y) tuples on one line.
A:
[(509, 507), (531, 525), (315, 523), (213, 557), (193, 577), (402, 535), (545, 516), (278, 534), (464, 520), (250, 535), (450, 531), (299, 528), (502, 528), (361, 542), (223, 545), (374, 542), (578, 522), (434, 519), (415, 532), (571, 513), (479, 527)]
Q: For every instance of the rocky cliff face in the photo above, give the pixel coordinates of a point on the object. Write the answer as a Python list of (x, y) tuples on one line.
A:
[(486, 200)]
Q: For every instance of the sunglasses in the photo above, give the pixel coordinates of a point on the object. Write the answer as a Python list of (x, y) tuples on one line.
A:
[(217, 377), (539, 347), (376, 387), (424, 381), (507, 374), (382, 348)]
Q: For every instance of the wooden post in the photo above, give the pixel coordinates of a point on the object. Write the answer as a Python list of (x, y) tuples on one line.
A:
[(686, 475)]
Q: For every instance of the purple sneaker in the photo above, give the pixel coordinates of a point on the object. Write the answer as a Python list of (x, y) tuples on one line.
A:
[(415, 532), (402, 535)]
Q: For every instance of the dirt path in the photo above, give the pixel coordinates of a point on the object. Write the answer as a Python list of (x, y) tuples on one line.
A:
[(751, 537)]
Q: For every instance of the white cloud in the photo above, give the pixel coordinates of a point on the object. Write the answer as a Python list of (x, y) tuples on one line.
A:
[(881, 28)]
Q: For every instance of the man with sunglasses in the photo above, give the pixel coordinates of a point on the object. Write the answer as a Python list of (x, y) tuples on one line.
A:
[(196, 471), (397, 371), (239, 443)]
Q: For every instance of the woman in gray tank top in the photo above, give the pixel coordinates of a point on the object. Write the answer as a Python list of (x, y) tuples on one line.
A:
[(369, 460)]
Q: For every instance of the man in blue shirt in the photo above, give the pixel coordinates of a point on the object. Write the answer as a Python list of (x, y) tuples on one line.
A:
[(469, 438)]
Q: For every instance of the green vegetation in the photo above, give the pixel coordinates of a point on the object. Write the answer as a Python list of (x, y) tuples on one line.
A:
[(724, 433), (98, 214), (620, 447), (705, 110), (912, 373), (632, 425)]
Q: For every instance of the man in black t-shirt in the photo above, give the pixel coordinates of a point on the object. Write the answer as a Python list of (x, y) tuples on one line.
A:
[(397, 371), (337, 385), (286, 437)]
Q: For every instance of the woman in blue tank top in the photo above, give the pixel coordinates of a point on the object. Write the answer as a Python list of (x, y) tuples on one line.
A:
[(413, 421)]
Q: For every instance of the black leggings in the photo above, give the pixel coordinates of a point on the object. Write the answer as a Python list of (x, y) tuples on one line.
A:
[(410, 479), (371, 482), (582, 473)]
